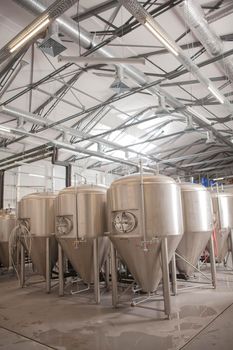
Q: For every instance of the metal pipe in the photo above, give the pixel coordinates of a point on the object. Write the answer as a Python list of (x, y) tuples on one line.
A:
[(194, 16), (48, 266), (2, 176), (21, 64), (114, 276), (173, 274), (96, 270), (165, 273), (231, 246), (212, 261), (30, 33), (143, 227), (22, 265), (149, 22), (61, 270)]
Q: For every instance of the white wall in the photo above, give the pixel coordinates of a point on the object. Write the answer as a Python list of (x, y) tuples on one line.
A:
[(42, 176)]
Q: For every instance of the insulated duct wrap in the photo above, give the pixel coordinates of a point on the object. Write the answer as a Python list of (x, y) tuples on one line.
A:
[(195, 18)]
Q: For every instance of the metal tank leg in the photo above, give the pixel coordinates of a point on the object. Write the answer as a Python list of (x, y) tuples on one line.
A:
[(61, 270), (48, 266), (173, 272), (107, 272), (96, 270), (212, 261), (114, 276), (166, 282), (22, 265), (231, 245)]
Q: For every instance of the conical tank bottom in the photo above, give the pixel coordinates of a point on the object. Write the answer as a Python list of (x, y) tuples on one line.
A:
[(221, 245), (190, 247), (4, 254), (145, 266), (81, 255), (36, 248)]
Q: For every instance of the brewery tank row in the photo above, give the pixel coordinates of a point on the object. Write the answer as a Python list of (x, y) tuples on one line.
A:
[(141, 211)]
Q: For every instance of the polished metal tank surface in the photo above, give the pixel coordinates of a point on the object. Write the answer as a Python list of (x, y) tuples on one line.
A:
[(7, 224), (144, 209), (36, 212), (80, 218), (223, 214), (198, 225)]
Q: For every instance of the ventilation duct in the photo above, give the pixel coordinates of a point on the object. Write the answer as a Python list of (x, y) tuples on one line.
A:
[(31, 32), (143, 17), (52, 45), (82, 37), (195, 18)]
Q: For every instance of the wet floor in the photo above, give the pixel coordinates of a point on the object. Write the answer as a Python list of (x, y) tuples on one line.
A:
[(31, 319)]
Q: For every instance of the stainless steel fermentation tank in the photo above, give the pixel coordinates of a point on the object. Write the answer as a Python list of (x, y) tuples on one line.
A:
[(80, 226), (223, 214), (198, 226), (36, 216), (146, 227), (7, 224)]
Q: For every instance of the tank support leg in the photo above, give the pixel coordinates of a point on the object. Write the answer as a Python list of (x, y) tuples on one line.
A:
[(48, 266), (61, 270), (22, 265), (166, 282), (96, 270), (107, 272), (212, 262), (231, 246), (114, 276), (173, 272)]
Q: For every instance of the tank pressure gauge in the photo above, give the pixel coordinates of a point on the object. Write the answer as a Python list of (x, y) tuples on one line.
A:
[(124, 222), (64, 225)]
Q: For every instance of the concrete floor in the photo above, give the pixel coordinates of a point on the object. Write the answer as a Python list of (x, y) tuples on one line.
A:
[(32, 320)]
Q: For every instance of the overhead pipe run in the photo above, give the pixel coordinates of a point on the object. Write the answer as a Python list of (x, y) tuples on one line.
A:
[(79, 35), (35, 27), (154, 28), (194, 16)]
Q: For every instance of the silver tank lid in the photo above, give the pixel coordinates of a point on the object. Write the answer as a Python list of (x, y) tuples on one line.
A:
[(40, 195), (189, 186), (84, 189), (147, 178)]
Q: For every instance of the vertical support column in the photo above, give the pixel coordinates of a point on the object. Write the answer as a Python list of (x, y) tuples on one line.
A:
[(96, 270), (173, 271), (165, 272), (114, 276), (22, 265), (2, 173), (212, 261), (48, 266), (231, 246), (68, 175), (61, 270)]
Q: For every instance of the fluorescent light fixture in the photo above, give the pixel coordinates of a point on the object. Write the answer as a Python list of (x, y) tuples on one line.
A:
[(198, 115), (161, 37), (101, 60), (36, 175), (30, 34), (216, 94), (3, 128), (219, 179)]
